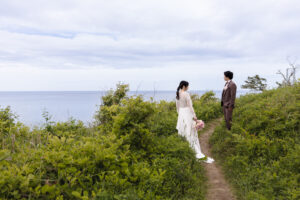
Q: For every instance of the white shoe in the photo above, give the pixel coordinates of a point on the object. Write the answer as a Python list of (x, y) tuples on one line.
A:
[(209, 160)]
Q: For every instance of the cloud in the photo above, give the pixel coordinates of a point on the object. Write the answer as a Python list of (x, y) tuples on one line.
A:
[(135, 36)]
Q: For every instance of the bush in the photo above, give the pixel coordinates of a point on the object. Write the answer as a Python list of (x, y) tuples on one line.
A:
[(207, 106), (133, 152)]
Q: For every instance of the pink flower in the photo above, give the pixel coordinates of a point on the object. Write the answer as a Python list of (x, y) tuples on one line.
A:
[(199, 125)]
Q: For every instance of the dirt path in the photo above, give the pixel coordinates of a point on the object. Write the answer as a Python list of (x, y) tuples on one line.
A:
[(218, 188)]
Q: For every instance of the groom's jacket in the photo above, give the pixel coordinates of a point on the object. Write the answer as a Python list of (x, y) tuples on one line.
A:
[(228, 95)]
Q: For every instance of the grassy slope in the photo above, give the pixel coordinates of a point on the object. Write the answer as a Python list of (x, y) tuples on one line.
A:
[(261, 155)]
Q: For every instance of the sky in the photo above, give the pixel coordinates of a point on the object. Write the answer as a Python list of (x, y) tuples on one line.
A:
[(77, 45)]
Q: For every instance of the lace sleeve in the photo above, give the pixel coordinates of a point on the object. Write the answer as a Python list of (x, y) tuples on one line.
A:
[(190, 104), (177, 105)]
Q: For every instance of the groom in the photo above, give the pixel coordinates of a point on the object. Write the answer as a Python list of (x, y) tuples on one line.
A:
[(228, 98)]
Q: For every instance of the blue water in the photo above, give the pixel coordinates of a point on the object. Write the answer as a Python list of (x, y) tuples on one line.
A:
[(80, 105)]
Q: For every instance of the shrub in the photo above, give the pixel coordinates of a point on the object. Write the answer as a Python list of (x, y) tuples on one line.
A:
[(133, 152)]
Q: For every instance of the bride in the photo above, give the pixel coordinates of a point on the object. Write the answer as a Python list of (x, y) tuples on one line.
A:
[(186, 120)]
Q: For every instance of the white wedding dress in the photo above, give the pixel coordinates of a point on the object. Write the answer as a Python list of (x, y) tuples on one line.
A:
[(186, 124)]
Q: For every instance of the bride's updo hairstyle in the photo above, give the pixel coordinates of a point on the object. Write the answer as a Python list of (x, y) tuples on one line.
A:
[(181, 84)]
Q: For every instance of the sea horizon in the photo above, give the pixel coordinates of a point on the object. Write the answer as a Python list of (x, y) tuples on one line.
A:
[(29, 106)]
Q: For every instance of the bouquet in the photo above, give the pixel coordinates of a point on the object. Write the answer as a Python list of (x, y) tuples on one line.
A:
[(199, 125)]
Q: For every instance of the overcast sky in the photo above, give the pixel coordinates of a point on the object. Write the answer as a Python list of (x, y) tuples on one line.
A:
[(93, 44)]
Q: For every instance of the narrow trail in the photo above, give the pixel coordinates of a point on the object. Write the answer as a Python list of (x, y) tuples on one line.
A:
[(218, 188)]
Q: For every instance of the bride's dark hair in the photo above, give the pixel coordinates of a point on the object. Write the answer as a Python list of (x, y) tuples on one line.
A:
[(181, 84)]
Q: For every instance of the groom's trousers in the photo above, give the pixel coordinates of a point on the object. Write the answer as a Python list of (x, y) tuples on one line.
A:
[(228, 116)]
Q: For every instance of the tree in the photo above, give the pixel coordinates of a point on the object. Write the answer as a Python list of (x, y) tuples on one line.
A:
[(111, 102), (114, 97), (255, 83), (289, 78)]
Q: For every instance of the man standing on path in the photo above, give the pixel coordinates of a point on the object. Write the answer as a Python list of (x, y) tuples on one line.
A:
[(228, 98)]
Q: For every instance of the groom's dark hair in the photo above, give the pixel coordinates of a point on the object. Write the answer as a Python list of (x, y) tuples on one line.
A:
[(228, 74)]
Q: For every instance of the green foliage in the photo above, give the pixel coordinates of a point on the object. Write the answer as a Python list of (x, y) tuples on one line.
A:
[(111, 102), (133, 152), (261, 153), (114, 97), (207, 106), (255, 83)]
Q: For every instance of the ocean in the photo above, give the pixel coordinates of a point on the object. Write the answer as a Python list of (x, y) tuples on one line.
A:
[(81, 105)]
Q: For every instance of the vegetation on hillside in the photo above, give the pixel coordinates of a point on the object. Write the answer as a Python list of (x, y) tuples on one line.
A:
[(261, 154), (132, 152)]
